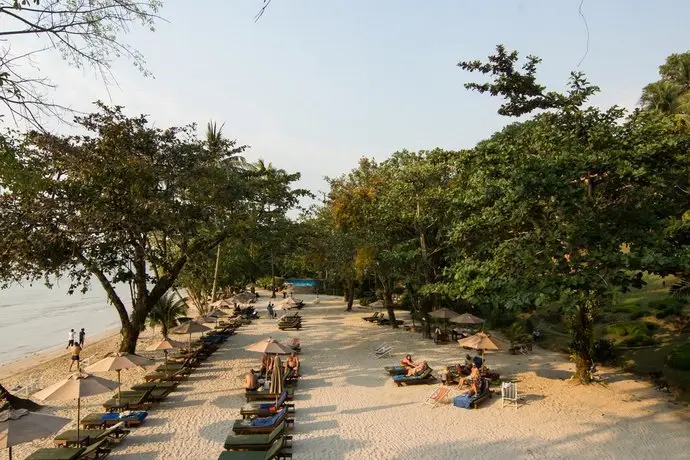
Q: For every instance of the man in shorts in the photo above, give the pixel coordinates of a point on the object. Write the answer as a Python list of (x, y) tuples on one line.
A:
[(70, 338)]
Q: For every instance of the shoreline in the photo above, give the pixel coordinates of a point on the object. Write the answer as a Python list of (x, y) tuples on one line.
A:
[(26, 363)]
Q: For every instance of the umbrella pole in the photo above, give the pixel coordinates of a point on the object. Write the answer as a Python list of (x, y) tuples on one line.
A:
[(78, 416), (10, 452), (119, 389)]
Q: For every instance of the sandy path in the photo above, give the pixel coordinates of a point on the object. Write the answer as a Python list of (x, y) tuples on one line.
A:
[(347, 408)]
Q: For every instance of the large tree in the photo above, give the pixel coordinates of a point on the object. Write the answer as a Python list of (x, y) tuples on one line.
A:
[(85, 33), (124, 203), (550, 201)]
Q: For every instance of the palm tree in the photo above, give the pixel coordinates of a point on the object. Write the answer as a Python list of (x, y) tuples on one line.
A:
[(664, 96), (166, 311)]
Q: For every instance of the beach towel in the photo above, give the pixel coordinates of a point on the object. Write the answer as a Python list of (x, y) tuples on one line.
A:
[(463, 401)]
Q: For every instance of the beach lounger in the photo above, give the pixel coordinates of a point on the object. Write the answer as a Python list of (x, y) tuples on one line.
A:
[(395, 370), (277, 451), (104, 420), (439, 395), (425, 377), (255, 395), (371, 318), (384, 352), (179, 376), (95, 451), (266, 409), (155, 386), (262, 424), (261, 441), (138, 401), (466, 401), (151, 395), (114, 434), (290, 325)]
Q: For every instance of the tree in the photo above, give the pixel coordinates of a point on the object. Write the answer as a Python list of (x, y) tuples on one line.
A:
[(84, 33), (550, 201), (671, 93), (127, 203), (166, 311)]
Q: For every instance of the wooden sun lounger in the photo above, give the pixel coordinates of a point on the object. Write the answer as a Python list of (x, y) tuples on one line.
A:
[(248, 426), (276, 451), (262, 442), (68, 438), (95, 451), (266, 396), (103, 420)]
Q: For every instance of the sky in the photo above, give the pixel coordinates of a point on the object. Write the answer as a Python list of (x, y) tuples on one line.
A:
[(315, 85)]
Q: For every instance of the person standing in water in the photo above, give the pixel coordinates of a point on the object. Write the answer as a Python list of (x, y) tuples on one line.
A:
[(82, 336), (70, 338)]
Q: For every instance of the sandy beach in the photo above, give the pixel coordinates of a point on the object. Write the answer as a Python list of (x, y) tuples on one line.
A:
[(347, 407)]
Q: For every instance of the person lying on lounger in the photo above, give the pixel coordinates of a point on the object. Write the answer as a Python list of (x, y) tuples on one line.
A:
[(407, 362), (418, 369)]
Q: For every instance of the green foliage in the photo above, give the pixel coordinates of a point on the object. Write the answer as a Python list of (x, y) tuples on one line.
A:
[(667, 307), (605, 352), (679, 358), (149, 202), (166, 311)]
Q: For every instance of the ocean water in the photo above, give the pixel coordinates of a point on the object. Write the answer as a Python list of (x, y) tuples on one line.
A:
[(35, 318)]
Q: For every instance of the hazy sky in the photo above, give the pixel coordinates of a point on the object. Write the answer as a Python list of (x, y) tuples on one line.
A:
[(316, 84)]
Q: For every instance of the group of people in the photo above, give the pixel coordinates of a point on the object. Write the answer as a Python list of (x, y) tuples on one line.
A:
[(291, 368), (413, 368), (271, 310), (76, 343)]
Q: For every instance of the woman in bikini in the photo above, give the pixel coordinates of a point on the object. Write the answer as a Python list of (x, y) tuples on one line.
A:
[(407, 362)]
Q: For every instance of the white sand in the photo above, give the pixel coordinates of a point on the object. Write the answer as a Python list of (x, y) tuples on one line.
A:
[(347, 407)]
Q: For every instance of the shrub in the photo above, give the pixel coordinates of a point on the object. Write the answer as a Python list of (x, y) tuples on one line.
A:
[(631, 328), (529, 326), (638, 340), (364, 301), (553, 316), (639, 314), (605, 352), (501, 318), (679, 358), (651, 327)]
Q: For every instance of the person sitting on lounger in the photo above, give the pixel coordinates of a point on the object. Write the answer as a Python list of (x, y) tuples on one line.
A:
[(266, 364), (407, 362), (475, 380), (251, 383), (292, 364), (418, 369)]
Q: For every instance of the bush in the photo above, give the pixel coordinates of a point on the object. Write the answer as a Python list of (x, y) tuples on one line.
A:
[(501, 318), (632, 328), (605, 352), (364, 301), (639, 314), (666, 307), (638, 340), (553, 316), (679, 358), (529, 326)]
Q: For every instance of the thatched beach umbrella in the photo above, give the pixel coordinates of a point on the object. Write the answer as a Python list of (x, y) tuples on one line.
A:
[(218, 314), (191, 327), (20, 426), (77, 386), (270, 346), (205, 319), (165, 345), (444, 314), (466, 318), (117, 362), (482, 342)]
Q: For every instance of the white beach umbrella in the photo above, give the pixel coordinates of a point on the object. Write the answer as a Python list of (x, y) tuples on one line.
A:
[(466, 318), (76, 386), (269, 346), (165, 345), (190, 327), (20, 426), (117, 362)]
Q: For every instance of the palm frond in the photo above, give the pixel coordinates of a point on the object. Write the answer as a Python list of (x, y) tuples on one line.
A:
[(681, 289)]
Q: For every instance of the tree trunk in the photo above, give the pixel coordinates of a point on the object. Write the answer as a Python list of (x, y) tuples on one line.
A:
[(15, 402), (129, 337), (350, 294), (583, 339), (388, 301)]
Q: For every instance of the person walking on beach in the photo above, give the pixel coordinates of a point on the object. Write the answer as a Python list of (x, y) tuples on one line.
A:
[(70, 338), (76, 349), (82, 336)]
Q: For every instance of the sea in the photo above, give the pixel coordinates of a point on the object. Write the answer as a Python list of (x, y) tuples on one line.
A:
[(34, 318)]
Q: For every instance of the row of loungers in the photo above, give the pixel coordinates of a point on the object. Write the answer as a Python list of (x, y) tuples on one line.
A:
[(290, 322), (99, 432), (261, 434)]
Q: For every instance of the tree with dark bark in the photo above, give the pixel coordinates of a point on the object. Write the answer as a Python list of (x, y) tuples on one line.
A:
[(128, 203)]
